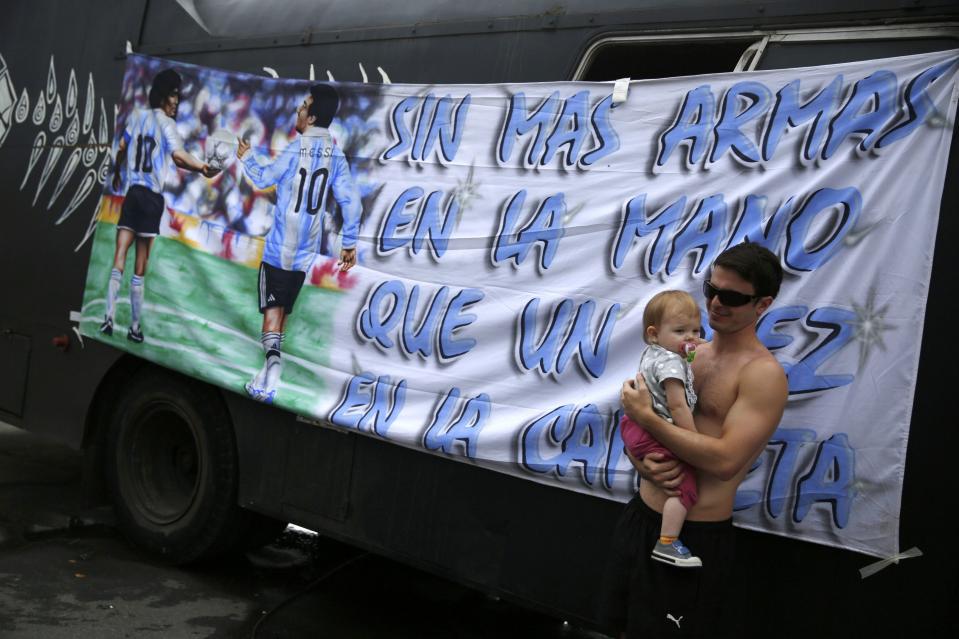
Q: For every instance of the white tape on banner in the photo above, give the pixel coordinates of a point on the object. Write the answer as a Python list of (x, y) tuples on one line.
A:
[(620, 91), (873, 568)]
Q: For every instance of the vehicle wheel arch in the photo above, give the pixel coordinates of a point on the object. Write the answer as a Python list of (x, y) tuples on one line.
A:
[(218, 524)]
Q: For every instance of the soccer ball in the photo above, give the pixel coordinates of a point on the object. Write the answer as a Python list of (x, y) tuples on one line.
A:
[(220, 149)]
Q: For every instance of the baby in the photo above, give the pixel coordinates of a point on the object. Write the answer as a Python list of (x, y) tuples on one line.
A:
[(671, 328)]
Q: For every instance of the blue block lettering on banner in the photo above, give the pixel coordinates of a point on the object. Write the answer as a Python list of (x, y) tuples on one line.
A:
[(590, 352), (436, 121), (570, 126), (828, 477), (459, 434), (789, 112), (802, 375), (831, 480), (519, 122), (545, 229), (750, 226), (867, 114), (356, 410), (531, 355), (635, 225), (789, 442), (382, 311), (876, 93), (920, 106), (387, 304), (420, 340), (728, 134), (766, 327), (430, 227), (607, 138), (691, 128), (561, 340), (702, 233), (798, 257), (455, 319), (703, 230), (568, 131), (563, 437), (399, 218), (401, 132)]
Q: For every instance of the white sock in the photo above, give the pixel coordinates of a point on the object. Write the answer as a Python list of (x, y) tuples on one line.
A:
[(273, 367), (113, 291), (136, 301)]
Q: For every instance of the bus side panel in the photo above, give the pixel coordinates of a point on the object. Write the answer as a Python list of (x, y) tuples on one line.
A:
[(42, 263), (537, 544)]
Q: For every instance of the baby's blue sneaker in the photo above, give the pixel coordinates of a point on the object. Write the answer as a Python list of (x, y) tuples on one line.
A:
[(676, 554)]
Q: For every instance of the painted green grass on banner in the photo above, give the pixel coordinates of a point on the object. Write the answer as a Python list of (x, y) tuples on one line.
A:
[(201, 318)]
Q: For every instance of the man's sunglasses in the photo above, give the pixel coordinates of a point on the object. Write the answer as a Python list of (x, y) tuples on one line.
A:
[(727, 298)]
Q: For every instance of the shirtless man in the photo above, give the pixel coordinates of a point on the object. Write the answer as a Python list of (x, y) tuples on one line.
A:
[(742, 393)]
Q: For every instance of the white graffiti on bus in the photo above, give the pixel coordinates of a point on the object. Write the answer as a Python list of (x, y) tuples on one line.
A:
[(329, 74), (50, 112)]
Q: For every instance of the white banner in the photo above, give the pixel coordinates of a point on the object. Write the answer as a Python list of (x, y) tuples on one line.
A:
[(511, 235)]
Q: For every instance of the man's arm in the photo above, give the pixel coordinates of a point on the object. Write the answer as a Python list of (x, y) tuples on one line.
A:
[(749, 424), (264, 176), (182, 158), (348, 197), (119, 162), (186, 160)]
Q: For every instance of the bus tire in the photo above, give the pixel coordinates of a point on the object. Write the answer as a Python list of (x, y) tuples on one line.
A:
[(171, 467)]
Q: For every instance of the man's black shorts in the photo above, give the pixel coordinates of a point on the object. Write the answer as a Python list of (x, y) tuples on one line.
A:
[(647, 598), (279, 287), (141, 211)]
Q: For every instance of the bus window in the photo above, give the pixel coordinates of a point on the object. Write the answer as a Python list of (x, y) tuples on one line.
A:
[(645, 59), (786, 54)]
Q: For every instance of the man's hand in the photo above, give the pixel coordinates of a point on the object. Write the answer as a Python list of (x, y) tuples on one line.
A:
[(242, 146), (665, 474), (347, 259), (636, 400), (116, 181), (208, 171)]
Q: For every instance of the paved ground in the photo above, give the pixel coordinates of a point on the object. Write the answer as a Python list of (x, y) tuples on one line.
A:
[(65, 572)]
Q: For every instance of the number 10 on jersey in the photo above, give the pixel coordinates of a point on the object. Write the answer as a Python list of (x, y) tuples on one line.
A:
[(312, 203)]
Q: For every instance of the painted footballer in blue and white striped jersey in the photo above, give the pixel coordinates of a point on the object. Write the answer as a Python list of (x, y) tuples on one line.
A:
[(151, 139), (304, 174)]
